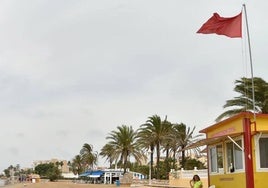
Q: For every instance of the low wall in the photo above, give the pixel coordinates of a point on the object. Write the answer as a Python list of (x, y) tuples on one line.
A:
[(181, 178), (184, 182)]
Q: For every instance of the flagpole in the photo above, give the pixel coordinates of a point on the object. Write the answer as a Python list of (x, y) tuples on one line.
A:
[(251, 65)]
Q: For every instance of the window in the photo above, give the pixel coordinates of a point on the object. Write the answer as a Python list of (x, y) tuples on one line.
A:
[(263, 152), (234, 156), (215, 154)]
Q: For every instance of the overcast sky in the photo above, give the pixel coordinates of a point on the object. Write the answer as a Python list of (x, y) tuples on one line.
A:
[(71, 71)]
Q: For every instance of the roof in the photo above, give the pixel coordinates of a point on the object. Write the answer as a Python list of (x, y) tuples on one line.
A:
[(85, 174), (209, 141), (96, 174), (92, 174), (233, 118)]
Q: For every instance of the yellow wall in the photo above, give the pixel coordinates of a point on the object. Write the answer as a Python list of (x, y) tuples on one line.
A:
[(234, 180), (262, 124), (259, 179), (227, 128), (184, 182)]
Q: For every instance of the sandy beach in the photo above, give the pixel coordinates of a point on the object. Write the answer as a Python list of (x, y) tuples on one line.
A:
[(63, 185)]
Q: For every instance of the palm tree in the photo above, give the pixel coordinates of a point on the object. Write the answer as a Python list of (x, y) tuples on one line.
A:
[(175, 144), (77, 165), (244, 102), (185, 138), (59, 164), (159, 130), (124, 143), (146, 142), (167, 144), (89, 157), (109, 152)]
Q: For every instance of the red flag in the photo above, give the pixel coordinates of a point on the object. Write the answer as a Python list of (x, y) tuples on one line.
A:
[(230, 27)]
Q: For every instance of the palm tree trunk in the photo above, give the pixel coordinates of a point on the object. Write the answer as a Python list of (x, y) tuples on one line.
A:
[(152, 159), (183, 157), (125, 162), (174, 159), (167, 163), (157, 160)]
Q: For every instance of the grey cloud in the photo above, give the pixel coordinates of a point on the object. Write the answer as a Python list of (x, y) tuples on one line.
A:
[(78, 69)]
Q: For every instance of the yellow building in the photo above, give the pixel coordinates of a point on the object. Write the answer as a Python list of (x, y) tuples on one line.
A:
[(237, 151)]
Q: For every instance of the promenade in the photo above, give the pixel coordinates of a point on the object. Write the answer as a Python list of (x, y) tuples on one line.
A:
[(82, 185), (62, 185)]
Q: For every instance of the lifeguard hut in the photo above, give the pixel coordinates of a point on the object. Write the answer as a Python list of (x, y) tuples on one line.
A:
[(237, 150)]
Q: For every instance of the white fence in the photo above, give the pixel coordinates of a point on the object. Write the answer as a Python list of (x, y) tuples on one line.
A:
[(203, 173)]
